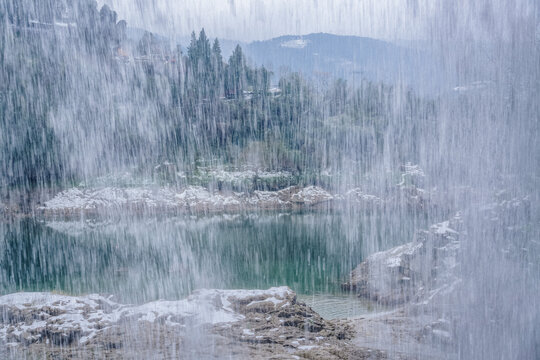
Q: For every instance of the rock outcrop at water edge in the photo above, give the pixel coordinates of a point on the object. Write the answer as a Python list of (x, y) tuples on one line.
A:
[(410, 272), (195, 199), (209, 324)]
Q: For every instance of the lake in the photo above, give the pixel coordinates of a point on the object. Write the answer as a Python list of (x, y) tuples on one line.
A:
[(140, 259)]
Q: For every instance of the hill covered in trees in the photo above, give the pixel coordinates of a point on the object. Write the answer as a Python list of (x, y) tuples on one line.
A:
[(79, 100)]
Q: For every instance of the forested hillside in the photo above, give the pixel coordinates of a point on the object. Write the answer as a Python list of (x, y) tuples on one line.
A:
[(79, 100)]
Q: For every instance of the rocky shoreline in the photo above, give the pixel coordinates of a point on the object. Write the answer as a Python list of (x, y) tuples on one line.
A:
[(209, 324), (253, 324), (101, 198), (413, 271), (415, 281), (196, 199)]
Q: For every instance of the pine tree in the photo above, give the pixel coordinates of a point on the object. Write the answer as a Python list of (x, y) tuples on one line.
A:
[(193, 49), (216, 51), (217, 64), (204, 47), (236, 74)]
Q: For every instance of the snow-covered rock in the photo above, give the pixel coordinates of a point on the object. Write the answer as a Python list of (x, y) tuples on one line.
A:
[(411, 191), (311, 195), (410, 272), (356, 195), (43, 325), (411, 175), (191, 198), (36, 317)]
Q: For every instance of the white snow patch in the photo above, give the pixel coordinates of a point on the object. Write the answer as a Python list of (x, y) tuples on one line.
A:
[(358, 195), (311, 194), (443, 228), (392, 257), (86, 313), (475, 85), (295, 44)]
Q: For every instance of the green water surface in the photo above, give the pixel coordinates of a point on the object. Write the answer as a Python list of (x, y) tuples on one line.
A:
[(144, 259)]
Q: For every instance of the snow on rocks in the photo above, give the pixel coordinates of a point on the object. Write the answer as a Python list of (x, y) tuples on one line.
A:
[(191, 198), (411, 175), (443, 229), (212, 198), (356, 195), (410, 271), (311, 195), (411, 190), (47, 325), (232, 176), (244, 175), (62, 319), (419, 278), (77, 199)]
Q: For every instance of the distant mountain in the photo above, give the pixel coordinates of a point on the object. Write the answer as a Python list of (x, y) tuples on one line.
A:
[(348, 57), (325, 57)]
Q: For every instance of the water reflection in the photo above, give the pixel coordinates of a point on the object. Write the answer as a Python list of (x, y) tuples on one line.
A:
[(144, 259)]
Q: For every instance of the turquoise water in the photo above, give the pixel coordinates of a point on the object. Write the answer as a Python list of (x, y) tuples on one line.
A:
[(144, 259)]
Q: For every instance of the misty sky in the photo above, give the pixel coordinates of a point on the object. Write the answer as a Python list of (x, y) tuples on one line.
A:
[(248, 20)]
